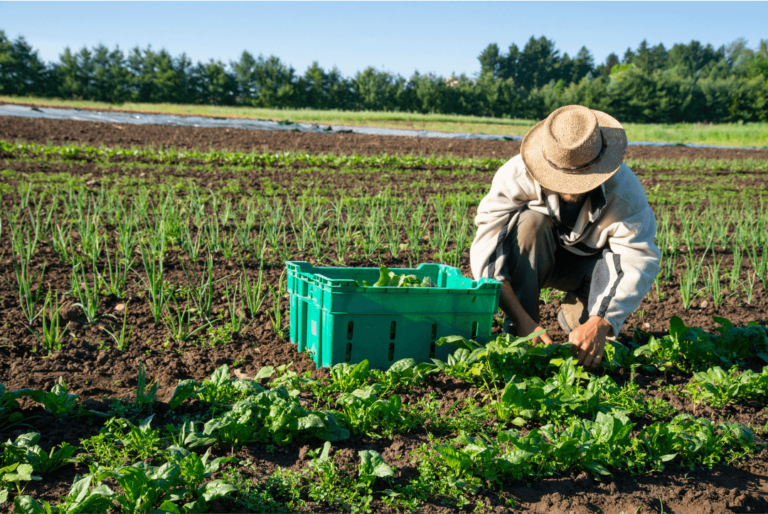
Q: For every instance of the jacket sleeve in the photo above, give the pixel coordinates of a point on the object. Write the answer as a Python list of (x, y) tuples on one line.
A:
[(496, 216), (621, 280)]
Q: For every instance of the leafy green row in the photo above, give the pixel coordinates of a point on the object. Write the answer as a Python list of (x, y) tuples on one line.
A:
[(698, 164), (173, 155), (566, 389), (176, 486), (467, 463), (9, 414), (235, 158), (718, 388), (273, 415), (562, 396), (692, 349), (58, 402), (276, 415), (587, 428)]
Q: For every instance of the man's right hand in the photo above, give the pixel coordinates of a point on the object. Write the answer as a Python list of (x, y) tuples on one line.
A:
[(520, 319), (528, 327)]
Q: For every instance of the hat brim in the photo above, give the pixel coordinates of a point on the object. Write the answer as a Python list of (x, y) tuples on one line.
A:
[(559, 181)]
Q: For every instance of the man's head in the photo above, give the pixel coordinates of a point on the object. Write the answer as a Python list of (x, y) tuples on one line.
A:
[(574, 150)]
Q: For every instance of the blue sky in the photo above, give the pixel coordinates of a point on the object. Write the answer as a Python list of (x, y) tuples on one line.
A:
[(440, 37)]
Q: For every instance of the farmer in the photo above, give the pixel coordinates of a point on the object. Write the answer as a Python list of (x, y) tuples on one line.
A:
[(567, 213)]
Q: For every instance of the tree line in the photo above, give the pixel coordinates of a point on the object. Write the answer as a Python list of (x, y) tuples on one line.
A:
[(686, 83)]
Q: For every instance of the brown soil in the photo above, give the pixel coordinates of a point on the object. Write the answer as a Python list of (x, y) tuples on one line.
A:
[(109, 134), (93, 373), (99, 375)]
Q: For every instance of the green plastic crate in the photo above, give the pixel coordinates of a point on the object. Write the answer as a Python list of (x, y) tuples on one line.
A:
[(337, 320)]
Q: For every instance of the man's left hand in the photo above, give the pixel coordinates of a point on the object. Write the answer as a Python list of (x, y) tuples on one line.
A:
[(589, 341)]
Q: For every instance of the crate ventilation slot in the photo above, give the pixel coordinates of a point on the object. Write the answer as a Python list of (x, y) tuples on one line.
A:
[(432, 345)]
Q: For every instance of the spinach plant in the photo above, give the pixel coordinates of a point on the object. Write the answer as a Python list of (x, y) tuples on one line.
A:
[(26, 450), (346, 378), (58, 402), (365, 413), (81, 498)]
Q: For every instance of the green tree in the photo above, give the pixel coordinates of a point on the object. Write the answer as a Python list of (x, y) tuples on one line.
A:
[(583, 64), (650, 58), (76, 74), (111, 80), (693, 59), (216, 86), (604, 70), (141, 67), (508, 68), (159, 77), (324, 90), (757, 66), (565, 69), (496, 97), (276, 83), (378, 90), (245, 78), (265, 82), (21, 70), (537, 63), (491, 61)]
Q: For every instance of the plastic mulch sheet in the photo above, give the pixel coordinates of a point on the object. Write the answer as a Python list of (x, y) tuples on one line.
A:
[(254, 124)]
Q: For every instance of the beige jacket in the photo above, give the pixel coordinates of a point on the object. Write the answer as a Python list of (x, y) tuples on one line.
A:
[(615, 220)]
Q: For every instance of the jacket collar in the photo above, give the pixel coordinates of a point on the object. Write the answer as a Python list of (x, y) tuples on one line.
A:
[(596, 202), (591, 210)]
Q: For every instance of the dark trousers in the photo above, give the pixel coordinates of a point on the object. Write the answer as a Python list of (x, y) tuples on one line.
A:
[(537, 260)]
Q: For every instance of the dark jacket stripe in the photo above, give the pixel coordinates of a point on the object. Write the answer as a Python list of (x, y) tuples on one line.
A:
[(612, 293)]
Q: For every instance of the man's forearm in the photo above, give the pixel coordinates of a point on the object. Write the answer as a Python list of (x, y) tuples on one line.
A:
[(511, 306)]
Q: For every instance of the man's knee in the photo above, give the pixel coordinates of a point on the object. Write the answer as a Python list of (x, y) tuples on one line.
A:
[(534, 229)]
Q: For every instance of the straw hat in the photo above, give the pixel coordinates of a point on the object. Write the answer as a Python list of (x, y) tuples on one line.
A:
[(574, 150)]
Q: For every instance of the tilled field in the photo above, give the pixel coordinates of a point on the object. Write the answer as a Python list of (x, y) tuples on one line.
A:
[(323, 214), (63, 132)]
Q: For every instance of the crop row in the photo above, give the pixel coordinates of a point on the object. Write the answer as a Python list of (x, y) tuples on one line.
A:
[(130, 261), (235, 158), (694, 185), (107, 239), (238, 158), (584, 422)]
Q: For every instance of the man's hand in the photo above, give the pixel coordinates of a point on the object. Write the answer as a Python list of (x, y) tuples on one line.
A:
[(589, 341), (520, 319), (528, 327)]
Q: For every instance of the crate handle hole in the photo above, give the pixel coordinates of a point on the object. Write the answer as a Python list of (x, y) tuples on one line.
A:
[(434, 330), (392, 330), (474, 330), (432, 350), (350, 329), (391, 351), (348, 356)]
